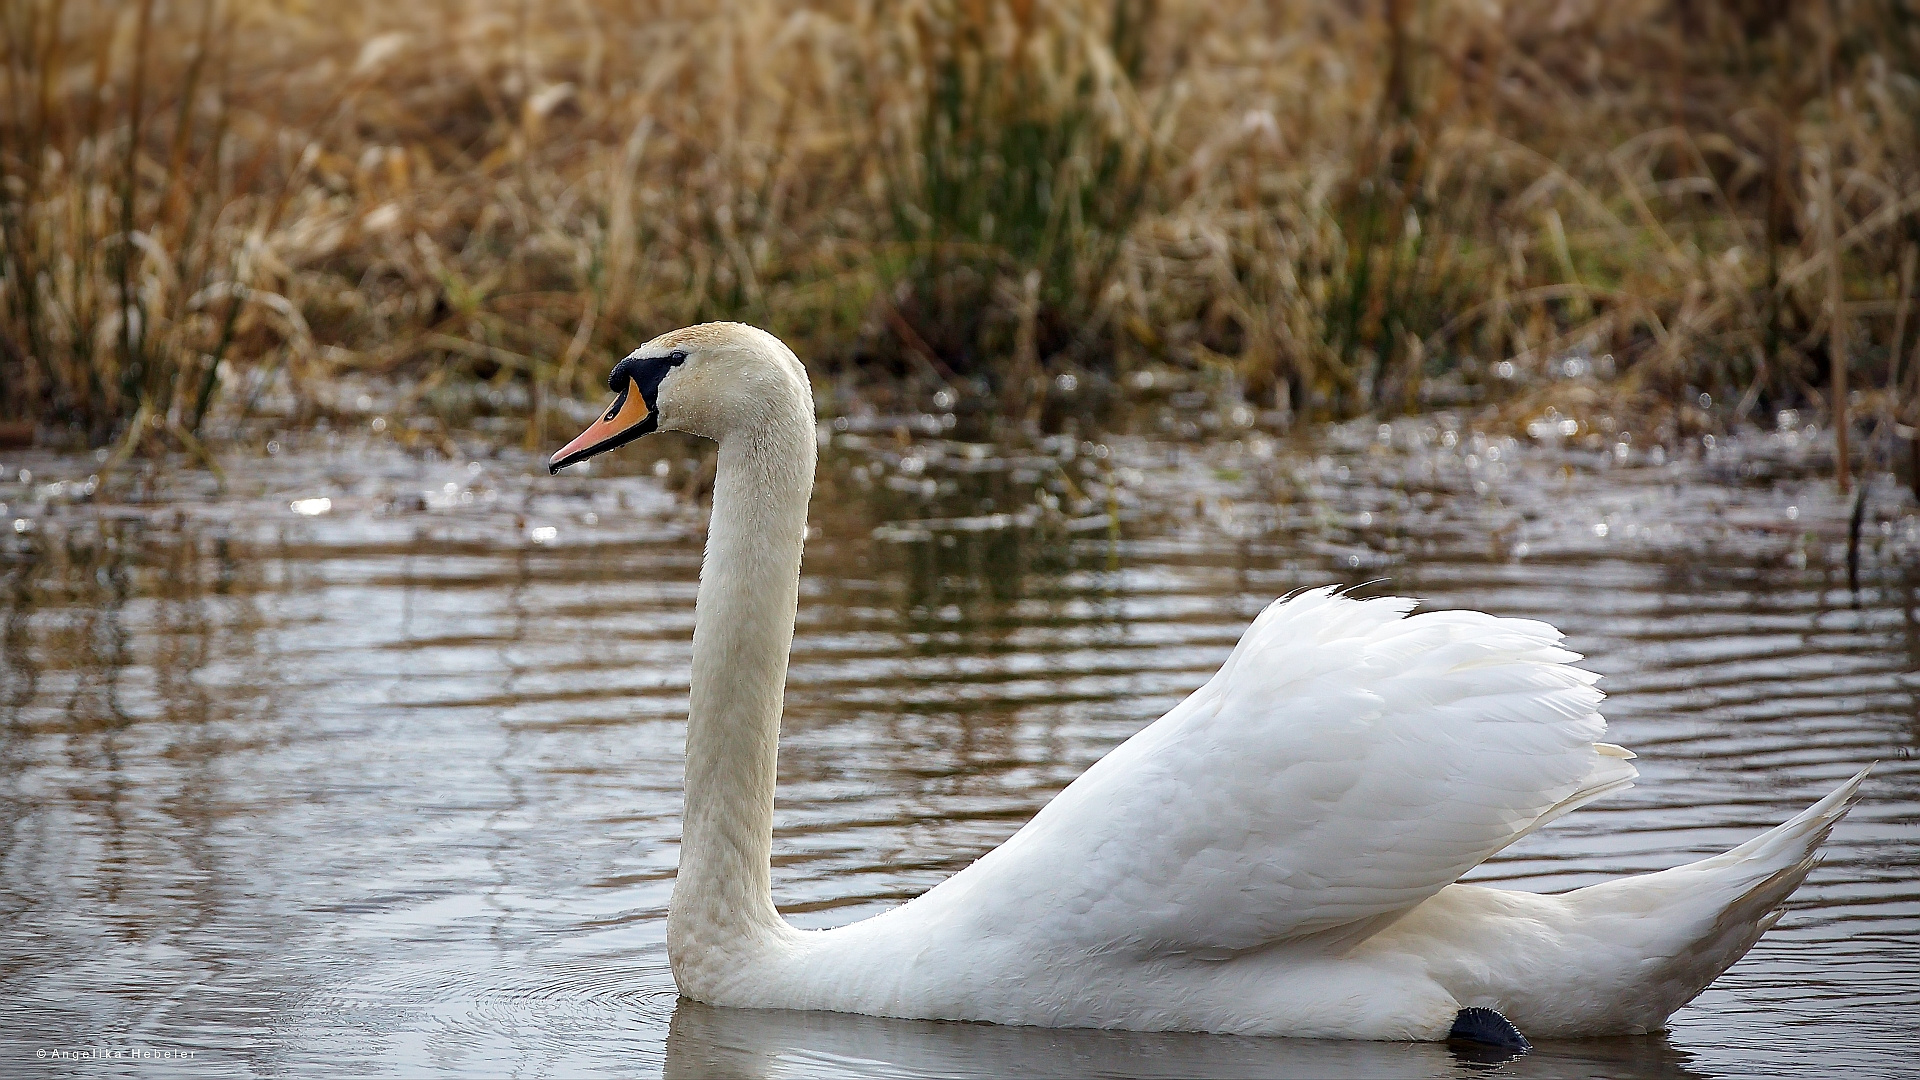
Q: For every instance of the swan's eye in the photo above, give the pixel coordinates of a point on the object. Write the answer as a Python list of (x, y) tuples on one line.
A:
[(676, 357)]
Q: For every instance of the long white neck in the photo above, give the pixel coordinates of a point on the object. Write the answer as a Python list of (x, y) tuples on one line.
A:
[(722, 912)]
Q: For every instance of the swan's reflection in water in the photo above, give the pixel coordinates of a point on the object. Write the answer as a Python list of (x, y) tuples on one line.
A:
[(705, 1042)]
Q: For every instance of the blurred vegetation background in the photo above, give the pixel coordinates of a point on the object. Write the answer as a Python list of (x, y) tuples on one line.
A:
[(1680, 210)]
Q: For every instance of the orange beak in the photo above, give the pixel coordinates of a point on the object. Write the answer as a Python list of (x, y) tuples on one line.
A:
[(625, 420)]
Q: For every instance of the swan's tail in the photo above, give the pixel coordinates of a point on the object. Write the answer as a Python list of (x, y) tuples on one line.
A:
[(1619, 957), (1685, 926)]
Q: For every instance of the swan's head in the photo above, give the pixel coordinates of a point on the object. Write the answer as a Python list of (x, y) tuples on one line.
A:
[(707, 380)]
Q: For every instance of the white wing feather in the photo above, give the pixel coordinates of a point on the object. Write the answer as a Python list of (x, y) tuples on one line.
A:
[(1346, 763)]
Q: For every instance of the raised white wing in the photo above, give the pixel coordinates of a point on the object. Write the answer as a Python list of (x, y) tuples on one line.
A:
[(1346, 763)]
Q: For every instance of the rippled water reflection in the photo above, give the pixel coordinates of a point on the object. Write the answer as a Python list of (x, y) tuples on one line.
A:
[(391, 784)]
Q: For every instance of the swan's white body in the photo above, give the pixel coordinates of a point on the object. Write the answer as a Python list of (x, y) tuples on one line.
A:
[(1276, 856)]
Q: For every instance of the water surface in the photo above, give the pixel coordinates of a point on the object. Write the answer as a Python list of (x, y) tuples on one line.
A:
[(390, 784)]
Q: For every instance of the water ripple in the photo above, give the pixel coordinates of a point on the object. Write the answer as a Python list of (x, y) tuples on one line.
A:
[(394, 788)]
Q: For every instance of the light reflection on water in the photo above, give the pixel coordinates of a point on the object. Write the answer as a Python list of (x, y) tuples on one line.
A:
[(392, 785)]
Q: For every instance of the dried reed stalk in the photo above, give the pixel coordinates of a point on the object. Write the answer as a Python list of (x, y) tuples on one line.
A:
[(1350, 208)]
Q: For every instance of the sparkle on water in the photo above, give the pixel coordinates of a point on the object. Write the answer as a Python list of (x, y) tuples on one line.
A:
[(371, 765)]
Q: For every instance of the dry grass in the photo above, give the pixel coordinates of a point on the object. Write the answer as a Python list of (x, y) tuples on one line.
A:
[(1616, 206)]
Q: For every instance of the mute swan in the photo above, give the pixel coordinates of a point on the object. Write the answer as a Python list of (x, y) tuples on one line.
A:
[(1275, 856)]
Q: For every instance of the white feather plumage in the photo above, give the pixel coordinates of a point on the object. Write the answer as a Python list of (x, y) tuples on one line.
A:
[(1277, 855)]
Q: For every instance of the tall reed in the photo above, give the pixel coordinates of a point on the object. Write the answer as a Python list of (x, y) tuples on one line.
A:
[(1020, 163), (1347, 207), (124, 272)]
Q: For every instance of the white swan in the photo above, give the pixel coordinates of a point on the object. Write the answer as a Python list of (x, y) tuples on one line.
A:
[(1276, 856)]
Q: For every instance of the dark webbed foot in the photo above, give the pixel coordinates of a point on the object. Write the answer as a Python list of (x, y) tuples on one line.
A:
[(1487, 1030)]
